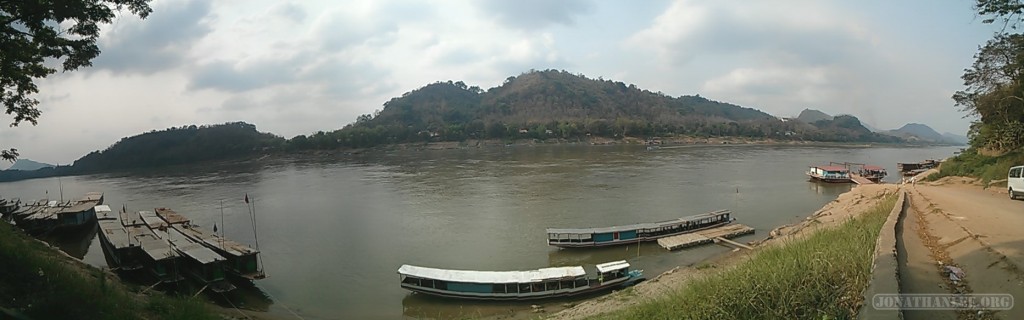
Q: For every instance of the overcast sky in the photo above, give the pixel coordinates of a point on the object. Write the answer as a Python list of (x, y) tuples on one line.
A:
[(303, 66)]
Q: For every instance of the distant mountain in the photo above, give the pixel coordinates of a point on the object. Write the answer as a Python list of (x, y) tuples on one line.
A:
[(812, 116), (952, 137), (28, 165), (870, 127), (924, 133)]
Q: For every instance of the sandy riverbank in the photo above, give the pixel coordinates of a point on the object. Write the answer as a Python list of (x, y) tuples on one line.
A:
[(846, 206)]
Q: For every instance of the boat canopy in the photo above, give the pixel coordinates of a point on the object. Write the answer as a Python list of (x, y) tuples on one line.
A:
[(470, 276), (170, 216), (152, 220), (873, 168), (612, 266), (832, 168), (115, 233), (192, 249), (638, 226)]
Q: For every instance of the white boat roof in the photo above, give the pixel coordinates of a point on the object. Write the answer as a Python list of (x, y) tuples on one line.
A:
[(470, 276), (115, 233), (612, 266), (651, 225), (158, 249), (129, 219), (228, 246), (103, 212), (152, 220), (189, 248)]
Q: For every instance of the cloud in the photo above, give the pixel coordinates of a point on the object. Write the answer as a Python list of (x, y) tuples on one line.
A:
[(535, 14), (289, 12), (808, 33), (160, 42)]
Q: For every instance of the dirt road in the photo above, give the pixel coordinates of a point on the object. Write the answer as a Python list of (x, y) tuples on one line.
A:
[(960, 224)]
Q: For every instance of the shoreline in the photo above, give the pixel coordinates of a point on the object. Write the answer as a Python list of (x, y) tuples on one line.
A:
[(848, 205)]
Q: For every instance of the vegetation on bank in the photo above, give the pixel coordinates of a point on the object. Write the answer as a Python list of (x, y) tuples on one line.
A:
[(822, 276), (39, 283), (970, 163)]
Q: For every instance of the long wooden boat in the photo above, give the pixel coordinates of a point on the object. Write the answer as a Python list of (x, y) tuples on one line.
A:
[(608, 236), (200, 263), (517, 285), (831, 174), (49, 215), (160, 259), (122, 251), (241, 259)]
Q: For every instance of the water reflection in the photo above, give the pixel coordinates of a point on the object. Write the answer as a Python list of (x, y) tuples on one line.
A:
[(334, 227)]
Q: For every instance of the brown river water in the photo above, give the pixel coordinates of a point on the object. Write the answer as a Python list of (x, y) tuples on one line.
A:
[(333, 229)]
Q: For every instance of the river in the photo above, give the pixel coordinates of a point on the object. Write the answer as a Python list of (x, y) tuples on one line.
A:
[(333, 229)]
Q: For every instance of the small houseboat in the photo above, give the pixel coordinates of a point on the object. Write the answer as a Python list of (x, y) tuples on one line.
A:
[(122, 251), (834, 174), (596, 237), (201, 263), (517, 285), (80, 212), (160, 259), (241, 259)]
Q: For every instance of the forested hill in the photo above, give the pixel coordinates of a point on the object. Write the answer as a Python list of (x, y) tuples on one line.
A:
[(542, 97), (560, 105), (187, 144)]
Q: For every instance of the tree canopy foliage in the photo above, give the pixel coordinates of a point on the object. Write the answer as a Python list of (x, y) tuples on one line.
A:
[(554, 104), (994, 91), (34, 33)]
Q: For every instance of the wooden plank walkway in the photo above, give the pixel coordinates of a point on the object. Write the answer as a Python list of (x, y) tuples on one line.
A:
[(704, 237), (858, 179)]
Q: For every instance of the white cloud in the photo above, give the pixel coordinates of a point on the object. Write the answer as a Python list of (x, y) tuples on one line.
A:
[(297, 67)]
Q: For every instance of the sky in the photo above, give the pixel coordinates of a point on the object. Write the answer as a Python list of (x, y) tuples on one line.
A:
[(298, 67)]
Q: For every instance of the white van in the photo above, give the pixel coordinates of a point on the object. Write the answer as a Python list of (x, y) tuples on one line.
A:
[(1015, 182)]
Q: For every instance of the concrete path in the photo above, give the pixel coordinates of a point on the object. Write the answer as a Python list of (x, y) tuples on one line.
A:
[(980, 231)]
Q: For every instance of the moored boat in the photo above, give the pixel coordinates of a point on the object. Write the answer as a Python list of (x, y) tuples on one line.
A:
[(832, 174), (160, 259), (201, 263), (607, 236), (873, 173), (122, 251), (517, 285), (241, 260)]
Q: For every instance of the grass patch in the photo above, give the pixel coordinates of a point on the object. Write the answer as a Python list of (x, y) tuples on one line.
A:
[(971, 164), (42, 284), (822, 276)]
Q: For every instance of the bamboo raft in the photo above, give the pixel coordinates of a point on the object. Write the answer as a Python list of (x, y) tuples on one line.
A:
[(688, 240)]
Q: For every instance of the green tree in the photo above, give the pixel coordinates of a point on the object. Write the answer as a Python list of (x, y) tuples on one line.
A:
[(32, 32)]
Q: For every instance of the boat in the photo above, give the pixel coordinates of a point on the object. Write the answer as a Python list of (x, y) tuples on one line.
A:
[(908, 169), (873, 173), (159, 259), (199, 262), (123, 251), (608, 236), (832, 174), (241, 259), (9, 206), (517, 285), (49, 215)]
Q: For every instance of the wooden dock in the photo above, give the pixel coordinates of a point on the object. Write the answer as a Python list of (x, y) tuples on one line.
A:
[(858, 179), (704, 237)]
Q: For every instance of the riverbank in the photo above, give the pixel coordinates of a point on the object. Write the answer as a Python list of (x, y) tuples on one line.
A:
[(848, 206), (41, 282)]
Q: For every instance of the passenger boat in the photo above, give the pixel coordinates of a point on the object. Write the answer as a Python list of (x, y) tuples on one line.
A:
[(160, 259), (199, 262), (833, 174), (517, 285), (49, 215), (241, 259), (873, 173), (122, 251), (608, 236)]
